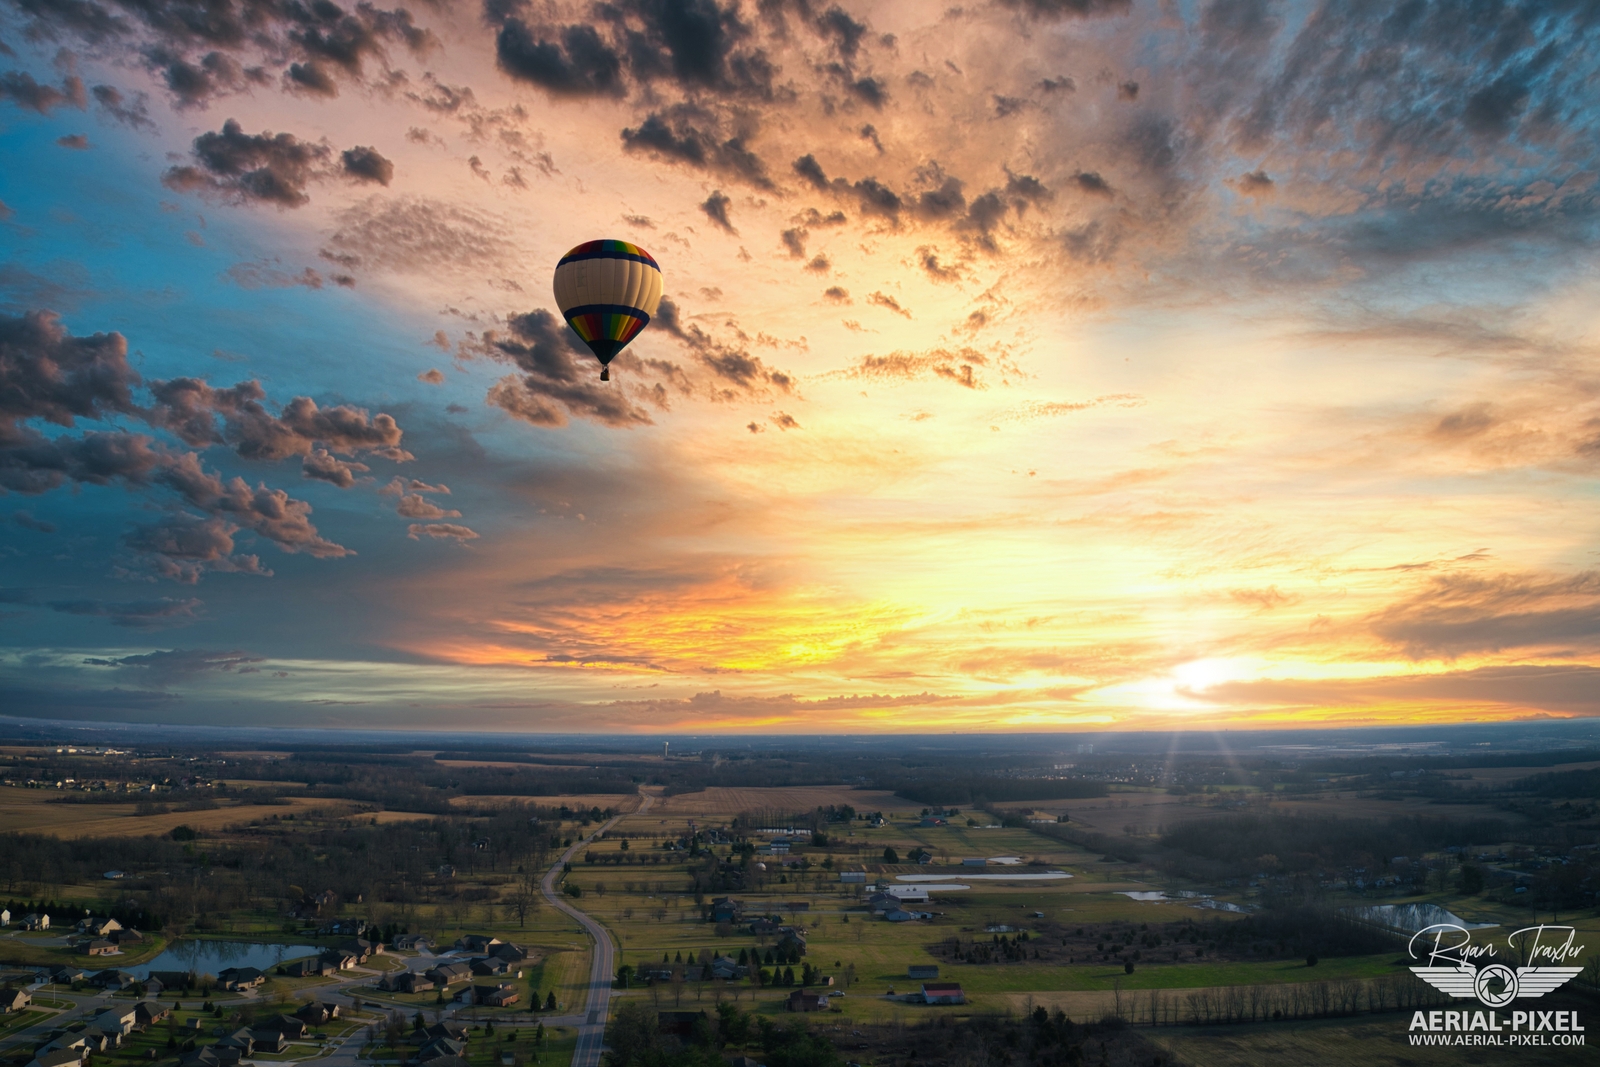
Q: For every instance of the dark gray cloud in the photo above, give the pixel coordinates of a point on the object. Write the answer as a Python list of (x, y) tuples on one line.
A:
[(693, 135), (716, 209), (19, 87), (208, 49), (1055, 9), (413, 234), (191, 408), (48, 374), (559, 378), (367, 165), (736, 372), (183, 547), (266, 167)]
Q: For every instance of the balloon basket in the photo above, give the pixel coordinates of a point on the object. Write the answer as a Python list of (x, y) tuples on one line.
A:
[(605, 374)]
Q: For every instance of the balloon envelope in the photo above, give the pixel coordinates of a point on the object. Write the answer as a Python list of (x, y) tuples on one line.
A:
[(607, 290)]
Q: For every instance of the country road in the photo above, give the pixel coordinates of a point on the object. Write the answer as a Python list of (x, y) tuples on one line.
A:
[(592, 1016)]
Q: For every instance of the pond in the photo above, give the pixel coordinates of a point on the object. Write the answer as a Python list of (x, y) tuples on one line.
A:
[(209, 957), (1409, 918)]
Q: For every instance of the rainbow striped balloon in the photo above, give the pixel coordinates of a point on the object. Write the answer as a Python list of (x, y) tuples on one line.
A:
[(607, 290)]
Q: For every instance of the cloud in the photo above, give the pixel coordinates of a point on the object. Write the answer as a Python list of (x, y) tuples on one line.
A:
[(959, 366), (20, 88), (1459, 614), (74, 140), (689, 134), (432, 376), (1060, 9), (570, 61), (716, 209), (266, 167), (191, 408), (323, 466), (366, 165), (416, 235), (884, 300), (138, 614), (440, 531), (558, 379), (51, 375), (836, 294), (179, 661), (26, 520)]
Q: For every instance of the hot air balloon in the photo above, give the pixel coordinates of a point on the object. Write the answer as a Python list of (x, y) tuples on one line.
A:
[(607, 290)]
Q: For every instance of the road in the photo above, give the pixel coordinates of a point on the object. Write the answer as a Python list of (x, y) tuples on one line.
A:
[(592, 1015)]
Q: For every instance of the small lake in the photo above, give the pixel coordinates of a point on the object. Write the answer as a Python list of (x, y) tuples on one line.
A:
[(209, 957), (1409, 918)]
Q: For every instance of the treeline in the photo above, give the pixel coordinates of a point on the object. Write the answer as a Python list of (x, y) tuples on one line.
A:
[(1299, 844), (126, 913), (1557, 785), (1311, 932), (979, 791)]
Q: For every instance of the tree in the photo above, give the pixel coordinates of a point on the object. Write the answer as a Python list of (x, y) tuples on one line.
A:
[(550, 1002), (524, 898), (890, 855), (1471, 879)]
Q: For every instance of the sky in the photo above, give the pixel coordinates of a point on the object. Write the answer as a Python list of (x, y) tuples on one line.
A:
[(1023, 365)]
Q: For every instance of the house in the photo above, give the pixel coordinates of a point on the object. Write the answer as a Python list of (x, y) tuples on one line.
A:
[(66, 975), (934, 820), (310, 967), (98, 927), (726, 910), (439, 1048), (489, 966), (99, 947), (909, 894), (412, 943), (922, 970), (678, 1023), (975, 863), (125, 936), (764, 927), (805, 1000), (268, 1041), (877, 821), (287, 1025), (510, 953), (411, 982), (853, 877), (118, 1020), (336, 959), (211, 1056), (900, 915), (340, 928), (171, 979), (477, 943), (14, 1000), (357, 949), (59, 1057), (943, 993), (240, 1039), (882, 902), (111, 979), (5, 916), (315, 1014), (35, 921), (240, 978), (449, 1028), (364, 948), (501, 996), (148, 1012), (727, 968), (447, 974), (153, 987)]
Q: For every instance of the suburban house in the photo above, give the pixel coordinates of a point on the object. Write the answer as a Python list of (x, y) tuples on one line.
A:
[(943, 993), (511, 953), (405, 982), (125, 936), (727, 968), (98, 927), (14, 1000), (211, 1056), (445, 974), (5, 916), (922, 970), (35, 921), (111, 979), (805, 1000), (66, 975), (59, 1057), (900, 915), (726, 910), (909, 894), (268, 1041), (336, 959), (119, 1020), (412, 942), (310, 967), (148, 1013), (171, 979), (315, 1014), (934, 820), (439, 1048), (489, 966), (99, 947), (287, 1025), (240, 1039), (449, 1028), (477, 943), (500, 996), (239, 978)]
